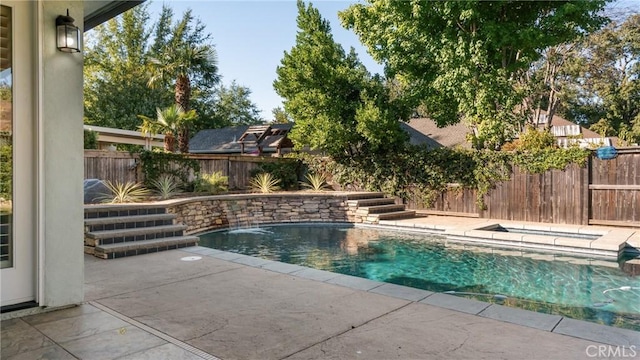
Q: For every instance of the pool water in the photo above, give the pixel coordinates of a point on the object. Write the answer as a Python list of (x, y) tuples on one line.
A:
[(575, 287)]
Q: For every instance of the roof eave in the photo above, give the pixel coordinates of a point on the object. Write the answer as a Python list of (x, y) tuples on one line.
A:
[(110, 10)]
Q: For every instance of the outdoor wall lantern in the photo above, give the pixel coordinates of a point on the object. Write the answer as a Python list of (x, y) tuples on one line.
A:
[(68, 35)]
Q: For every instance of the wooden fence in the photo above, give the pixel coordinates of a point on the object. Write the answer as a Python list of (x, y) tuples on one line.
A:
[(124, 166), (614, 189), (605, 192), (112, 166)]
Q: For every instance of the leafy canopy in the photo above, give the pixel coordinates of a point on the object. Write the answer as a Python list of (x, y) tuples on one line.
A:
[(337, 106), (460, 58), (115, 72)]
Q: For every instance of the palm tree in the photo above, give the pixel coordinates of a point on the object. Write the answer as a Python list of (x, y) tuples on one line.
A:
[(168, 122), (184, 58)]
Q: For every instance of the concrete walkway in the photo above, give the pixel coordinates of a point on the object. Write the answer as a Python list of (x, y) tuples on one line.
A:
[(231, 306)]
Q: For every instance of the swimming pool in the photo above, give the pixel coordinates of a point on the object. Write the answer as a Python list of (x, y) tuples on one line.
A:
[(580, 288)]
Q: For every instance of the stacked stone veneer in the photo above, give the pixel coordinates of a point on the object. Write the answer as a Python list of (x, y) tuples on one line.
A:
[(216, 212)]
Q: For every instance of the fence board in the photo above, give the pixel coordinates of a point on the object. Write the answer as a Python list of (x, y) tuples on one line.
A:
[(615, 189), (555, 196), (111, 165), (125, 167)]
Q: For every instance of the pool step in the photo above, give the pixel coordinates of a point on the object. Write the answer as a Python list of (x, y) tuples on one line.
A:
[(371, 210), (128, 222), (129, 235), (115, 251), (371, 202), (113, 231), (368, 210), (395, 215), (365, 195)]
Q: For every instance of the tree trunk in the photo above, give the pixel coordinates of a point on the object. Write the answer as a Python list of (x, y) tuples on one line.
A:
[(183, 92), (183, 96), (169, 142), (183, 139)]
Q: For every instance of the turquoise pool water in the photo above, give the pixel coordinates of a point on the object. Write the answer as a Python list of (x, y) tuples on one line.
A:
[(601, 291)]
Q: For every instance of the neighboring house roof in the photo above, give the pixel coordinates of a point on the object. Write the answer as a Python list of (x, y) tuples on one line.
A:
[(448, 136), (226, 141), (456, 135), (418, 138), (565, 131)]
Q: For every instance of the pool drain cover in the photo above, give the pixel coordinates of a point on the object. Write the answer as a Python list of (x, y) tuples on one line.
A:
[(191, 258)]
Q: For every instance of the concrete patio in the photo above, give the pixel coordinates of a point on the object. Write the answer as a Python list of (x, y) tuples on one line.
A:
[(231, 306)]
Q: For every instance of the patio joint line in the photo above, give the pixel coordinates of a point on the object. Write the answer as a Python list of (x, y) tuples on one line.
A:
[(163, 336), (163, 284), (346, 331)]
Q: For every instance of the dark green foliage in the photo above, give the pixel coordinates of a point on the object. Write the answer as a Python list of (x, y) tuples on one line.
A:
[(156, 164), (288, 172), (417, 170), (115, 73), (606, 90), (337, 106), (90, 140), (460, 59), (232, 107), (6, 171)]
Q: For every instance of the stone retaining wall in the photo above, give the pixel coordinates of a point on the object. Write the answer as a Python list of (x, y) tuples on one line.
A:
[(217, 212)]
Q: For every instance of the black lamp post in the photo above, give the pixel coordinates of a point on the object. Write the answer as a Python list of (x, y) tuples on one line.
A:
[(67, 34)]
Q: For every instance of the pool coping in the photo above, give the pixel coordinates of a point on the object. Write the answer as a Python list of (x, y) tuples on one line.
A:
[(610, 242), (547, 322)]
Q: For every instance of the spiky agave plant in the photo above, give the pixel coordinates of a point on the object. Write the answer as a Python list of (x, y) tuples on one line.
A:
[(166, 186), (316, 182), (264, 183), (124, 192)]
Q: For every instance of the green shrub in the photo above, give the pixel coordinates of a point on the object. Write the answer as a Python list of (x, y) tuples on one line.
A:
[(90, 140), (420, 172), (534, 139), (287, 171), (156, 164), (6, 172), (214, 183)]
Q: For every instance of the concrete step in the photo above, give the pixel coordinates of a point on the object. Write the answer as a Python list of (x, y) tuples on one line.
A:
[(130, 235), (128, 222), (393, 215), (365, 195), (114, 251), (379, 209), (371, 202), (102, 211)]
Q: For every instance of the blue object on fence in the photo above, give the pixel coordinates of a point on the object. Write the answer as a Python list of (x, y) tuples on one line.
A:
[(606, 153)]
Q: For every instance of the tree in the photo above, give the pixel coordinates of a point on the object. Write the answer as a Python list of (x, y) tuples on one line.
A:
[(607, 76), (234, 107), (550, 83), (280, 116), (168, 121), (183, 55), (336, 105), (115, 76), (461, 58)]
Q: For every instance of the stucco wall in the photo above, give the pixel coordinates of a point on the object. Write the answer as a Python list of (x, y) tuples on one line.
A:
[(60, 162)]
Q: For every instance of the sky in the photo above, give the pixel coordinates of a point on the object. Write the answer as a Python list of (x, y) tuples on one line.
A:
[(251, 37)]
